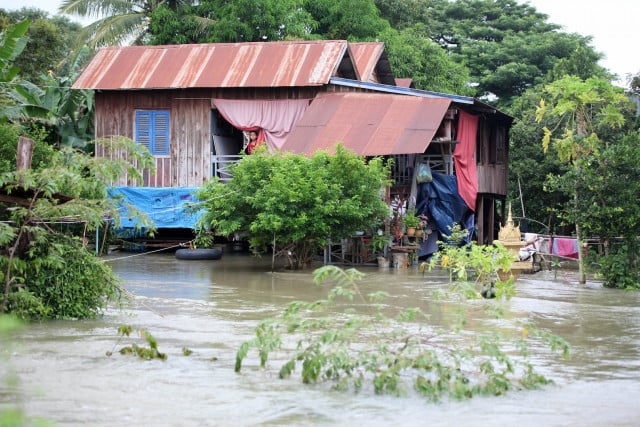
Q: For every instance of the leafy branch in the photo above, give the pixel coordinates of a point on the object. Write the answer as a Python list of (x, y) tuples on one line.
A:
[(351, 342)]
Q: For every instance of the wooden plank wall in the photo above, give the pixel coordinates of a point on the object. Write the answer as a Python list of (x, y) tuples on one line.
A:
[(493, 168), (189, 160), (190, 140)]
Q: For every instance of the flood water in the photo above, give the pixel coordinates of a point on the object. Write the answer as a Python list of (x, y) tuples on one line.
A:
[(211, 307)]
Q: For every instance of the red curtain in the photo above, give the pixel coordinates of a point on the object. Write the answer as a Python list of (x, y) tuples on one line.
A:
[(465, 160)]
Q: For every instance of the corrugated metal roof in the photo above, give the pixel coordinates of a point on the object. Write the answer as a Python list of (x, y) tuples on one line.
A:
[(405, 82), (370, 124), (372, 62), (269, 64), (366, 56)]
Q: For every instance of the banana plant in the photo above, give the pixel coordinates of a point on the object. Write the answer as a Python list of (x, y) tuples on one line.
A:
[(12, 43), (53, 104)]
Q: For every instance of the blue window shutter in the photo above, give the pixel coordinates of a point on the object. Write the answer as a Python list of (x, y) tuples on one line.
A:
[(152, 131), (143, 128), (161, 133)]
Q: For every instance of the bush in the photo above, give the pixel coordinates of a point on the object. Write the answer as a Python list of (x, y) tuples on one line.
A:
[(619, 269), (9, 135)]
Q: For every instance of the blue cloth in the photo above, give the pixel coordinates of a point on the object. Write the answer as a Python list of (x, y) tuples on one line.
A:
[(163, 205), (441, 202)]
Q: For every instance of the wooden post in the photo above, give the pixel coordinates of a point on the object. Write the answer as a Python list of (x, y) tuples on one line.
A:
[(25, 151)]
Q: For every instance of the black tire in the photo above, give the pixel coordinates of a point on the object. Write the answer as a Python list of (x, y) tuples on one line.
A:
[(199, 254)]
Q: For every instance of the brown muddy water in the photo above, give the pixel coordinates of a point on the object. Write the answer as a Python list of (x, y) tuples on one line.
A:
[(211, 307)]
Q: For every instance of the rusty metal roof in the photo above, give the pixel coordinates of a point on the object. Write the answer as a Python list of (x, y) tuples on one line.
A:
[(405, 82), (370, 124), (268, 64), (372, 62)]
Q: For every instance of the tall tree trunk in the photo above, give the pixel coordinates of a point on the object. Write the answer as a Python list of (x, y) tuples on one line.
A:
[(582, 132)]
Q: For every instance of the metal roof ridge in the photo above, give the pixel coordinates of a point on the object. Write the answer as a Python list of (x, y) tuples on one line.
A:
[(340, 81), (191, 45)]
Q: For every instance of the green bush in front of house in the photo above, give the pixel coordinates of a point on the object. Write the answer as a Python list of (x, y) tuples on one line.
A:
[(295, 201)]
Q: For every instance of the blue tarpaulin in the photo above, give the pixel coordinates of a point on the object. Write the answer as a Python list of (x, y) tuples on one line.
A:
[(163, 205), (441, 202)]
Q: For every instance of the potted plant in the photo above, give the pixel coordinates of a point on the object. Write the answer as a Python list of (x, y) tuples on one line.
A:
[(411, 222), (422, 226), (378, 244)]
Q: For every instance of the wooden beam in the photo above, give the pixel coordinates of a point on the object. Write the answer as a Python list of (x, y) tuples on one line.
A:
[(24, 154)]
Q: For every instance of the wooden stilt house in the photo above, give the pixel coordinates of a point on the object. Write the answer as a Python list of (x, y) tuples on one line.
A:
[(192, 104)]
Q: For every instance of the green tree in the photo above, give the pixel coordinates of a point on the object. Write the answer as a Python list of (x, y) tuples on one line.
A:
[(255, 20), (50, 42), (584, 110), (294, 202), (346, 19), (66, 114), (529, 167), (12, 43), (528, 164), (121, 22), (9, 136), (413, 55), (607, 208), (352, 341), (507, 46), (46, 270)]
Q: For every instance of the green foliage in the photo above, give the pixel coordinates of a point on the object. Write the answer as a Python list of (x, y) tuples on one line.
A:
[(61, 279), (255, 20), (296, 202), (591, 136), (130, 22), (608, 185), (147, 353), (529, 167), (379, 242), (506, 45), (49, 44), (50, 103), (12, 43), (346, 19), (9, 136), (620, 268), (350, 341), (410, 219), (583, 108), (473, 266), (45, 270), (413, 55)]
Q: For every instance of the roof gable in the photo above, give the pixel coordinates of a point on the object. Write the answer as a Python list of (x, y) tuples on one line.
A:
[(218, 65), (372, 62)]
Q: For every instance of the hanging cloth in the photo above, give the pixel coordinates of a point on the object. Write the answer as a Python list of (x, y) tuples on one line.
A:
[(464, 158), (274, 119)]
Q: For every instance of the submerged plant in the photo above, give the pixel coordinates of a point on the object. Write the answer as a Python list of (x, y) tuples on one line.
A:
[(350, 340), (472, 267), (142, 352)]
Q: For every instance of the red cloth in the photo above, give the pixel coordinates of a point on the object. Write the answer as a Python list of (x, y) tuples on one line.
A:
[(565, 247), (464, 158)]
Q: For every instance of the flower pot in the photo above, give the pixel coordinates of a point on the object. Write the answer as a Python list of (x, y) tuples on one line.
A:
[(411, 231), (419, 232)]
